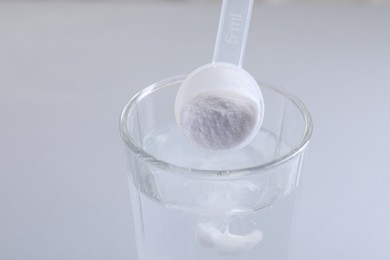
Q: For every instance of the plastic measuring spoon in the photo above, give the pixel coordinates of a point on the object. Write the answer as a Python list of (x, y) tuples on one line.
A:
[(219, 106)]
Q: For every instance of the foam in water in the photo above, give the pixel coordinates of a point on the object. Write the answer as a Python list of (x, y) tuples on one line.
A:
[(225, 242), (170, 145)]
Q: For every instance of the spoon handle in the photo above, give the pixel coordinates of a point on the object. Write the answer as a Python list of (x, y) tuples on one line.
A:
[(232, 31)]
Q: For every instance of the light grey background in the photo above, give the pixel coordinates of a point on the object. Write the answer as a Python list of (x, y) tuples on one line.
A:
[(67, 69), (273, 2)]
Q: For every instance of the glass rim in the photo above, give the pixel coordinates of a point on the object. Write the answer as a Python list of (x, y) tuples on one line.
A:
[(203, 173)]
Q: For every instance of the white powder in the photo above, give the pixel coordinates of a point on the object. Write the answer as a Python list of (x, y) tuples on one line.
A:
[(225, 242), (219, 120)]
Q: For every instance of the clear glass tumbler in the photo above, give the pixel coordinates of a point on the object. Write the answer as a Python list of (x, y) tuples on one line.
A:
[(193, 204)]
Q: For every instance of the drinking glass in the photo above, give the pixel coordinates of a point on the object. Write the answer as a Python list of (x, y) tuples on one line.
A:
[(189, 203)]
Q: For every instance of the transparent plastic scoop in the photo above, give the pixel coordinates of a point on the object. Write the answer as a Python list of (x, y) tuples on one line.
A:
[(219, 106), (232, 31)]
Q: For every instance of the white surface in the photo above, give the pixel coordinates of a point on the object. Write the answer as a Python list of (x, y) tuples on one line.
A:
[(66, 70)]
